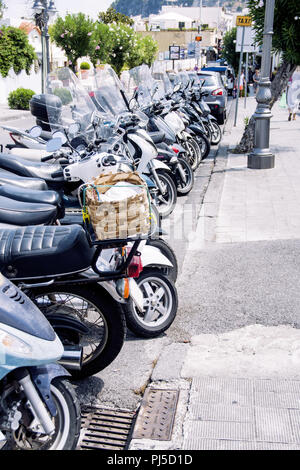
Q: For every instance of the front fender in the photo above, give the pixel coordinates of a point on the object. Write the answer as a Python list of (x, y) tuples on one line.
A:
[(157, 164), (42, 377)]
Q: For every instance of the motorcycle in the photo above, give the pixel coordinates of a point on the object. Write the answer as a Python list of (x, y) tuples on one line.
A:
[(38, 406)]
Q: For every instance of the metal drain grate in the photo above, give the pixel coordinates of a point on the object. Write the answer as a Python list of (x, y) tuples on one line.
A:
[(157, 413), (105, 429)]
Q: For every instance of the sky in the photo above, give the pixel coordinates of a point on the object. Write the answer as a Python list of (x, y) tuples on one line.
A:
[(18, 8)]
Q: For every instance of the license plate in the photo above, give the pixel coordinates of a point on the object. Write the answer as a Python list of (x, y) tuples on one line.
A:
[(136, 294)]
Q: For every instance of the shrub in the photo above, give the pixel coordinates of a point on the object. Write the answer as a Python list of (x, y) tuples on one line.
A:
[(85, 66), (19, 99), (64, 94)]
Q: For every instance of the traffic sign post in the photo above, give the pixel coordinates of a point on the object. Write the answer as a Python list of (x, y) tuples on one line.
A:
[(244, 22)]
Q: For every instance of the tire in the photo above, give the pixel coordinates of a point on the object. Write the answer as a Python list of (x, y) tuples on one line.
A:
[(208, 132), (169, 196), (193, 153), (204, 145), (185, 187), (67, 423), (153, 281), (107, 337), (216, 134), (167, 251), (221, 118)]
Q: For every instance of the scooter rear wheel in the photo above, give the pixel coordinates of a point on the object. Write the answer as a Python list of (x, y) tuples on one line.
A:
[(160, 305), (92, 306)]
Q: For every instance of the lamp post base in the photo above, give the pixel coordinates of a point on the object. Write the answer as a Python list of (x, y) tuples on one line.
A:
[(261, 162)]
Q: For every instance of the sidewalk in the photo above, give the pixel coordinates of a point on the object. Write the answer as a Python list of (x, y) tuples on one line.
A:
[(238, 373), (7, 114)]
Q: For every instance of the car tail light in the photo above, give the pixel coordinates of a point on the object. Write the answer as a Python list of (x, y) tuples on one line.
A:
[(217, 92)]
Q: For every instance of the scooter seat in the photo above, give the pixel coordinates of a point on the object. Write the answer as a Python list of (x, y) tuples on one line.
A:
[(22, 182), (23, 167), (30, 195), (157, 137), (44, 251), (23, 213)]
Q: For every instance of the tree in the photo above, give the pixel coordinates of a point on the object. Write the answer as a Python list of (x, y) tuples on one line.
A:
[(15, 51), (286, 40), (100, 45), (228, 50), (123, 41), (113, 16), (143, 52), (73, 35)]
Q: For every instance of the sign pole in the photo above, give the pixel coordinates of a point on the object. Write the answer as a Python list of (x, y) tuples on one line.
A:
[(239, 76), (246, 79)]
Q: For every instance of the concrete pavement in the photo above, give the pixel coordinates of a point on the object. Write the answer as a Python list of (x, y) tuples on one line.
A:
[(7, 114), (238, 368)]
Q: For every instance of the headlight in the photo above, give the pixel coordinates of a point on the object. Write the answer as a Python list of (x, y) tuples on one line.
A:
[(14, 345)]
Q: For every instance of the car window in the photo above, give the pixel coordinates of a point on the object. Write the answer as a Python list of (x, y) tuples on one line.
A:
[(209, 80)]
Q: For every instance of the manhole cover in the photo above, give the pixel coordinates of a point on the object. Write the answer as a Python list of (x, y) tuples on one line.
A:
[(157, 413), (105, 429)]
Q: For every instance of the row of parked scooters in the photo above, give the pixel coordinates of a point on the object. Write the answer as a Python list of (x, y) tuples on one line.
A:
[(67, 300)]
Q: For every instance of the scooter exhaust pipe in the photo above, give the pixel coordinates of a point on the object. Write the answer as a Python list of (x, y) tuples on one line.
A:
[(71, 358)]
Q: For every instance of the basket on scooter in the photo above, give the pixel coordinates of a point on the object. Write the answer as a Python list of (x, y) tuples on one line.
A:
[(117, 206)]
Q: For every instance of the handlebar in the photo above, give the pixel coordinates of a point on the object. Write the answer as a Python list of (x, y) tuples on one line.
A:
[(46, 158), (57, 174)]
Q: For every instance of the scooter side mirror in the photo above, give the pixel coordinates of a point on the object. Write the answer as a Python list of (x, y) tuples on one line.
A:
[(60, 135), (53, 145), (74, 128), (35, 131)]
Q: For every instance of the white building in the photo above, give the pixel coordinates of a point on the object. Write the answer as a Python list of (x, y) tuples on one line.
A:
[(170, 20), (214, 17)]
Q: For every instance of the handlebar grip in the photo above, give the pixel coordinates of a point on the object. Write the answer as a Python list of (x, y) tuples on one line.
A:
[(57, 174), (46, 158)]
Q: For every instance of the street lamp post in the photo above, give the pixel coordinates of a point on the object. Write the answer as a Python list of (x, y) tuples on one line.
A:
[(261, 157), (44, 10)]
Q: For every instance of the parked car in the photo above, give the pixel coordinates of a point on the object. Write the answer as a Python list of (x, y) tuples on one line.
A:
[(217, 98)]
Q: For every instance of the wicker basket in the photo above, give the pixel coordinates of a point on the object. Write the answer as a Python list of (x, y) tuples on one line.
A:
[(117, 219)]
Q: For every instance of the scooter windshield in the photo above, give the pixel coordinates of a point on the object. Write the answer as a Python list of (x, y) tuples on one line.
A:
[(140, 79), (108, 91), (67, 103)]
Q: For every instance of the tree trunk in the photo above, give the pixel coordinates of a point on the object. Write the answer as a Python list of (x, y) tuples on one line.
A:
[(279, 83)]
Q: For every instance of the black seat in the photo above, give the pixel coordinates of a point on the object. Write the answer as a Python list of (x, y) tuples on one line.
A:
[(23, 213), (157, 137), (22, 182), (30, 195), (36, 252), (22, 167)]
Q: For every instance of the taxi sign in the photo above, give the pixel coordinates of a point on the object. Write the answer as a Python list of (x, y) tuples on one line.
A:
[(243, 21)]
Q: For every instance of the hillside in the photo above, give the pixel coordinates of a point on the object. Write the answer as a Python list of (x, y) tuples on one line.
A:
[(148, 7)]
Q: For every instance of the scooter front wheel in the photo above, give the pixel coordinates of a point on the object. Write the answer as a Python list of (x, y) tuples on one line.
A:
[(166, 201), (66, 422), (184, 187), (216, 133)]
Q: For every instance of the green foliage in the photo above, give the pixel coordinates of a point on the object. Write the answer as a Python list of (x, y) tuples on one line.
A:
[(123, 41), (286, 37), (228, 50), (100, 45), (73, 35), (15, 51), (144, 51), (113, 16), (64, 94), (85, 66), (19, 99)]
